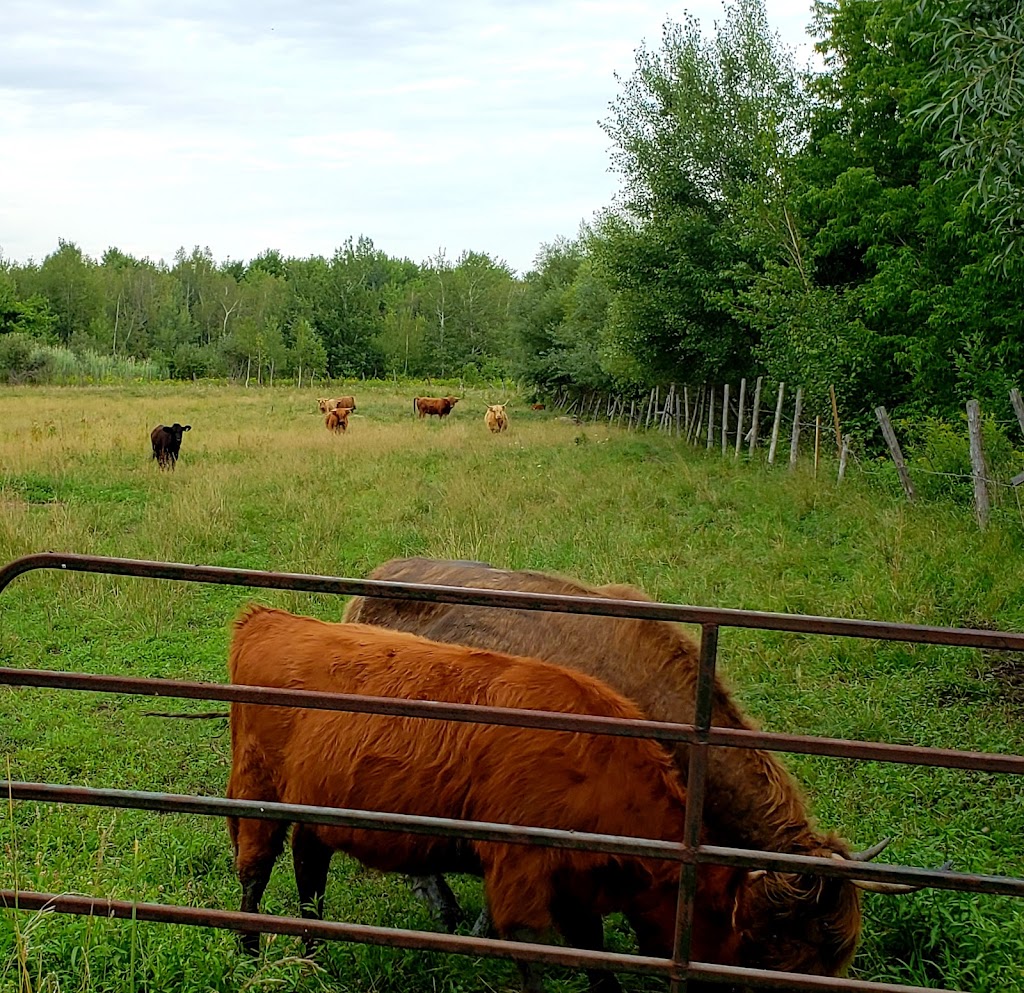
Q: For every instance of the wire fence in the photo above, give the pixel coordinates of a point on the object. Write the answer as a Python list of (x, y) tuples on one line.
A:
[(700, 736)]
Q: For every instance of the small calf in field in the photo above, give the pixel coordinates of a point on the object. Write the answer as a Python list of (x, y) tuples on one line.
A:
[(167, 443)]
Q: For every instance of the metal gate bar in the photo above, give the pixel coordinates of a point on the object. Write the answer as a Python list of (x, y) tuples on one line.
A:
[(429, 941), (395, 706), (642, 609)]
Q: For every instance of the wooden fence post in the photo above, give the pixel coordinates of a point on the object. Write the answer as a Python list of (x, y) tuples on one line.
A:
[(725, 418), (698, 414), (686, 410), (843, 457), (835, 417), (979, 471), (894, 450), (775, 425), (753, 418), (794, 441), (817, 443), (1018, 406), (739, 416), (650, 407), (711, 415)]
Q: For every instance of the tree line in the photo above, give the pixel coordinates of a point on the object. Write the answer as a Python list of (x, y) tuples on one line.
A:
[(858, 226), (358, 313)]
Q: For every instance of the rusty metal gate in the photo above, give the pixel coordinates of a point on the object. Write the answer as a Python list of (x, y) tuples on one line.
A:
[(700, 736)]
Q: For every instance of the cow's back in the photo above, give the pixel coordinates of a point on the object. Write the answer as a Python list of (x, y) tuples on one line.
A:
[(751, 799), (404, 764)]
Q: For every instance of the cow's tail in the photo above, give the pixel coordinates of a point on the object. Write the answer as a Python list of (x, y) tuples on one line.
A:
[(415, 404)]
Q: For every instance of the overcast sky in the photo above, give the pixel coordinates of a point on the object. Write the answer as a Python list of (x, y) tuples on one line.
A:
[(248, 124)]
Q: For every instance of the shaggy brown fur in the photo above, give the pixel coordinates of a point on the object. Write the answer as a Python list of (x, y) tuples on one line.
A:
[(792, 922), (555, 779), (435, 406), (337, 420)]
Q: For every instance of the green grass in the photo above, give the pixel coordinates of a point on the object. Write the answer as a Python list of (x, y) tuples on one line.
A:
[(262, 484)]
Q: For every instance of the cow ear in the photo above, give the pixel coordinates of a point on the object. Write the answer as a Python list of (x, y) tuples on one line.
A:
[(187, 427)]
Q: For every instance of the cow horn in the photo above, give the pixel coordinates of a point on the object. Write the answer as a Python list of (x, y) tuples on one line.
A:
[(869, 853), (891, 889)]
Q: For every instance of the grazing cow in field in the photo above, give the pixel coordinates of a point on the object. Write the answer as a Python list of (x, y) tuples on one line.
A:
[(327, 405), (789, 921), (337, 420), (538, 406), (434, 406), (483, 772), (496, 419), (167, 443)]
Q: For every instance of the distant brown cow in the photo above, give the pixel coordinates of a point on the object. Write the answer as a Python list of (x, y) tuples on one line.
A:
[(482, 772), (326, 405), (495, 418), (435, 406), (166, 442), (791, 922), (538, 406), (337, 420)]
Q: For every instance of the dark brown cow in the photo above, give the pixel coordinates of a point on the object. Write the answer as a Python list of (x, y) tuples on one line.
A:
[(167, 443), (337, 420), (538, 406), (434, 406), (791, 922), (554, 779)]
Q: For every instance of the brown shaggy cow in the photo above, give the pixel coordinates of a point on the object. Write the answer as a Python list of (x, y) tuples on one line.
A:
[(791, 922), (326, 404), (495, 418), (554, 779), (538, 406), (435, 406), (337, 419), (166, 441)]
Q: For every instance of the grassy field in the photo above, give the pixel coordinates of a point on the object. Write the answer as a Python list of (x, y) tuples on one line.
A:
[(261, 484)]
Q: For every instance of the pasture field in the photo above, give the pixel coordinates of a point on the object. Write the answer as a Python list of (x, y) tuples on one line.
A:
[(262, 484)]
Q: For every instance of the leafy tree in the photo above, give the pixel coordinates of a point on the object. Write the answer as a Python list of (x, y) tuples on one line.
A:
[(70, 283), (309, 356), (560, 318), (976, 48), (29, 317)]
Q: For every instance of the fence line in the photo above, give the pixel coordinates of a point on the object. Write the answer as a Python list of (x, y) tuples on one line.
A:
[(673, 411)]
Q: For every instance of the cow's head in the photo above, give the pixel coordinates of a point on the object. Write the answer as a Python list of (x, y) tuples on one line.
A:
[(795, 922), (322, 404), (177, 430), (452, 401)]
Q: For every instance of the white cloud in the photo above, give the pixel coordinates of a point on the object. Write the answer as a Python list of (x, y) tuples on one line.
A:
[(469, 125)]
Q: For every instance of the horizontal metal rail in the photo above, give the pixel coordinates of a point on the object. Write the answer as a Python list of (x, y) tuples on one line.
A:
[(724, 617), (550, 720), (515, 834), (428, 941)]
